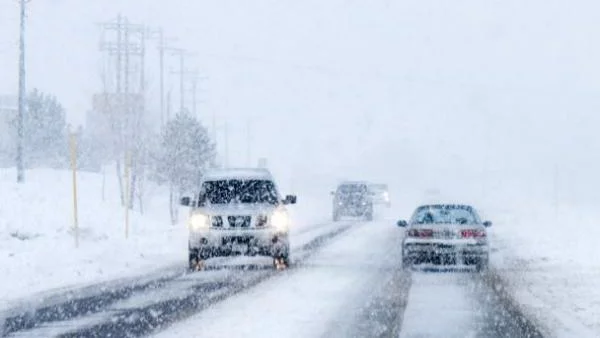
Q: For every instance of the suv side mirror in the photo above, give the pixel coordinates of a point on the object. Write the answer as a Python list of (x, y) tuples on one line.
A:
[(185, 201), (487, 224), (290, 199), (402, 223)]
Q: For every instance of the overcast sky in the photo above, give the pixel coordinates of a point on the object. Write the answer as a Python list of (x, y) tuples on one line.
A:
[(394, 90)]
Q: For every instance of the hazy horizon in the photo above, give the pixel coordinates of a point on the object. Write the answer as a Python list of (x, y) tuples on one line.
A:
[(473, 94)]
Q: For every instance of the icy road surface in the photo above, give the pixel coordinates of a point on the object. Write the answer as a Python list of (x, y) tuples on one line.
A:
[(346, 282), (354, 287)]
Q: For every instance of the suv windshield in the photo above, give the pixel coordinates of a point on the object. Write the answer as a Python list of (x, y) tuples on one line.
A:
[(239, 191), (445, 214)]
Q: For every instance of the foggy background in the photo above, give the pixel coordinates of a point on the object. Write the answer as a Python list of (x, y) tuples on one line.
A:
[(484, 100)]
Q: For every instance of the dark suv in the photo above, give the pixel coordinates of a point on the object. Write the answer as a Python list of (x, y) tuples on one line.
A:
[(352, 199)]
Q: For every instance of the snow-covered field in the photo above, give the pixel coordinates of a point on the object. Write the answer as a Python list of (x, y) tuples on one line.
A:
[(546, 256), (549, 257), (37, 246)]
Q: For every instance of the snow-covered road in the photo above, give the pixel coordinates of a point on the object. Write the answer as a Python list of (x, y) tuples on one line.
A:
[(346, 282), (161, 300), (324, 294)]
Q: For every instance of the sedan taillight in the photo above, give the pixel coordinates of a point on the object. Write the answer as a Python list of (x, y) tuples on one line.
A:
[(472, 233), (420, 233)]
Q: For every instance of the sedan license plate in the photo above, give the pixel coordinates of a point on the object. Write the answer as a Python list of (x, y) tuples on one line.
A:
[(239, 247)]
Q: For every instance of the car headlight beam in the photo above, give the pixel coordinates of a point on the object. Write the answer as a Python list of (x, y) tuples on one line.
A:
[(280, 220), (198, 222)]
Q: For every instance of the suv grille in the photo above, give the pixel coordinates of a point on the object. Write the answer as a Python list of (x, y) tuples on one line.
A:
[(239, 221), (217, 221)]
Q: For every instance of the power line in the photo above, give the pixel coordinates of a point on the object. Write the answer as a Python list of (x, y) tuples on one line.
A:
[(124, 48), (130, 43), (182, 75), (195, 78), (163, 45)]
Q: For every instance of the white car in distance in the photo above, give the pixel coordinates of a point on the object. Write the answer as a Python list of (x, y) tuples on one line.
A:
[(238, 212)]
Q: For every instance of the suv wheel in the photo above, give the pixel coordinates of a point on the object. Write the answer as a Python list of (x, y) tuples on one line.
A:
[(407, 262), (369, 215), (336, 216), (282, 262), (194, 261)]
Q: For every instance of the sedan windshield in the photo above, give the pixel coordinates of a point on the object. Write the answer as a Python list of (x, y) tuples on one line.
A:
[(239, 191), (445, 214)]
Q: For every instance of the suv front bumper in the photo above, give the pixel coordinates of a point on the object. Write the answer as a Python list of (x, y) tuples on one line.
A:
[(227, 242)]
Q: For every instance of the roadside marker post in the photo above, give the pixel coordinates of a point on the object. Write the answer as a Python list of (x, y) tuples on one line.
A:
[(127, 188), (73, 146)]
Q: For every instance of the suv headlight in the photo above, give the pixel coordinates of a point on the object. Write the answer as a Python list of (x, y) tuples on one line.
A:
[(280, 220), (199, 222)]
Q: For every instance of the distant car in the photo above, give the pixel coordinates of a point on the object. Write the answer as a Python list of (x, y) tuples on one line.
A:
[(381, 194), (352, 199), (238, 212), (445, 234)]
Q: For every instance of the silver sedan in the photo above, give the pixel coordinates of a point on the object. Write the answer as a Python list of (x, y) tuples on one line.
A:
[(445, 234)]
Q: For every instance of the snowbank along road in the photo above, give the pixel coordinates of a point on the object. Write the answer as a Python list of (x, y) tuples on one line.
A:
[(346, 281)]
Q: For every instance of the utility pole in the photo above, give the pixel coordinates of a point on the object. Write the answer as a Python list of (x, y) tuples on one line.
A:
[(226, 144), (195, 78), (22, 93), (194, 94), (163, 45), (130, 42), (181, 53), (161, 62), (183, 74), (249, 143), (168, 108)]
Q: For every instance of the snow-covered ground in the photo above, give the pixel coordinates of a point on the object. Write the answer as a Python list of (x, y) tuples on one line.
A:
[(548, 257), (37, 246), (545, 254)]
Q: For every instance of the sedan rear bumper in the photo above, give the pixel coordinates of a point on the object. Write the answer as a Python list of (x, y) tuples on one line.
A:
[(445, 253)]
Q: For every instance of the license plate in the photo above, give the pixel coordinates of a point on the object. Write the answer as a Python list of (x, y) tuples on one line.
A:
[(239, 247)]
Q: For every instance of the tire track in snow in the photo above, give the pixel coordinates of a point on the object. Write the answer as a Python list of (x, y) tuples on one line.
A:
[(154, 315), (381, 312), (462, 304), (440, 303)]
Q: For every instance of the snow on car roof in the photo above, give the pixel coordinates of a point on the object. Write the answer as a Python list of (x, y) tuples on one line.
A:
[(244, 173), (448, 205), (353, 183)]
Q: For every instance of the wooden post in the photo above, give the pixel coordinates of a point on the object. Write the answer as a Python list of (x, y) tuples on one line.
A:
[(73, 146), (127, 183)]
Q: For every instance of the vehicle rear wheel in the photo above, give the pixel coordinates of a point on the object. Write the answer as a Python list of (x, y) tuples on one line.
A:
[(482, 264)]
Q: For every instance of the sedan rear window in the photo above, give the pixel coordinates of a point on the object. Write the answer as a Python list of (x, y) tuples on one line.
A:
[(445, 214)]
